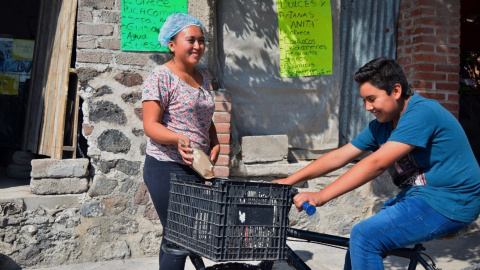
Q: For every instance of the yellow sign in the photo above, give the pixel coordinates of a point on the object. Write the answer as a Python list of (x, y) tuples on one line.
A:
[(9, 84), (305, 37), (23, 49)]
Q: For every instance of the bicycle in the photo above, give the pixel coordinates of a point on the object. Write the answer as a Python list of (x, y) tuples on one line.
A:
[(249, 195)]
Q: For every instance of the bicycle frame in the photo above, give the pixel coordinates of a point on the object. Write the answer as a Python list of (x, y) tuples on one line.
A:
[(414, 254)]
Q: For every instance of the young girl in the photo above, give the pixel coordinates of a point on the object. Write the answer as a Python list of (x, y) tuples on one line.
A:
[(425, 150), (177, 105)]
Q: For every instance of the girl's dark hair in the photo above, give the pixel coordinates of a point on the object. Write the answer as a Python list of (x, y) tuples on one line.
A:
[(383, 73)]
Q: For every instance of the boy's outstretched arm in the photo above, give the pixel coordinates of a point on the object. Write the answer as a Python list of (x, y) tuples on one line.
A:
[(327, 163), (367, 169)]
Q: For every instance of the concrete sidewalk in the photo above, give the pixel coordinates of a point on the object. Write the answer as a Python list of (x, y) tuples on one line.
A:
[(448, 255)]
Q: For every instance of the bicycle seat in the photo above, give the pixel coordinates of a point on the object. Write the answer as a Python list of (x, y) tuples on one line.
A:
[(457, 234)]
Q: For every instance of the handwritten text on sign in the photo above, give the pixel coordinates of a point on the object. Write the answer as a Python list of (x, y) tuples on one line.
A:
[(142, 20), (305, 37)]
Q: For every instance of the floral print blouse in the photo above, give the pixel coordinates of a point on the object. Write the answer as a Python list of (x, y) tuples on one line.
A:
[(187, 111)]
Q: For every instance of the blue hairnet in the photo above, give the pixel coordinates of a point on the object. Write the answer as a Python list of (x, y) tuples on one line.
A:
[(174, 24)]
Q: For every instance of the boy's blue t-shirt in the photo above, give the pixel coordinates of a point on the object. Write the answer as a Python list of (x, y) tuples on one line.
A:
[(441, 169)]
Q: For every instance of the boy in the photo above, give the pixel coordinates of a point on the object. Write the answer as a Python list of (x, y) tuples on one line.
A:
[(425, 150)]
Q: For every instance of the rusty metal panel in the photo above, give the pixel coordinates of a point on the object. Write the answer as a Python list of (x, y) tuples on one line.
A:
[(368, 30)]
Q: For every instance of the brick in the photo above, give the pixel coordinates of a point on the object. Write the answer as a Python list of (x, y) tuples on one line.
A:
[(94, 57), (222, 128), (107, 16), (224, 138), (453, 97), (423, 30), (453, 40), (223, 160), (221, 171), (84, 16), (430, 76), (221, 117), (132, 59), (448, 86), (453, 59), (423, 67), (424, 48), (430, 21), (453, 77), (422, 12), (94, 29), (223, 107), (427, 39), (110, 44), (224, 149), (429, 58), (86, 43), (422, 85), (97, 4), (452, 68)]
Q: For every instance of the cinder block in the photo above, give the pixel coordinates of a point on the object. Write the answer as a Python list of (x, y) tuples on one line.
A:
[(268, 148), (60, 168)]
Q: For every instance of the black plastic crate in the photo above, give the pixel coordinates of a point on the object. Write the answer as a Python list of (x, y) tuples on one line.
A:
[(229, 220)]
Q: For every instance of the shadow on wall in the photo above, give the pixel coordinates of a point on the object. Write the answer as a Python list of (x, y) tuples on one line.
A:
[(6, 263), (263, 102)]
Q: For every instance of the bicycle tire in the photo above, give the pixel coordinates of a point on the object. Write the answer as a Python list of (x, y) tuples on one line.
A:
[(473, 267), (234, 266)]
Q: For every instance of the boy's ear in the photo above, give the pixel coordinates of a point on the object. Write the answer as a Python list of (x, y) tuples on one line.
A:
[(397, 91)]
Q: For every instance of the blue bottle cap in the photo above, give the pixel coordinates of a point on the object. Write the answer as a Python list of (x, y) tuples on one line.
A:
[(309, 209)]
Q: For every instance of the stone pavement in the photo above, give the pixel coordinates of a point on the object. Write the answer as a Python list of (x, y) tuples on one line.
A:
[(448, 255)]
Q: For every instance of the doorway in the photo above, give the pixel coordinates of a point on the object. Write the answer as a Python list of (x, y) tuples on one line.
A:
[(469, 114), (18, 29)]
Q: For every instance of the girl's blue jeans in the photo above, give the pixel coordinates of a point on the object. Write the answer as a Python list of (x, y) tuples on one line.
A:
[(401, 223), (156, 175)]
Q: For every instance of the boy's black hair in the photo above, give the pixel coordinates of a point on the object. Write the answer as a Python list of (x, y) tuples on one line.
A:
[(383, 73)]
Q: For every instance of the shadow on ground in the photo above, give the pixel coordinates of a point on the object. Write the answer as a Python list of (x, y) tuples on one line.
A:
[(6, 263)]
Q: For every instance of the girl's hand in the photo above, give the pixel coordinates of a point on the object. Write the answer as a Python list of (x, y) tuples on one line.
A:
[(185, 150), (214, 152)]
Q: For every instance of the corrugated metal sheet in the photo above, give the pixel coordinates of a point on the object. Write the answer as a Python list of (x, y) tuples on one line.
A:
[(368, 31)]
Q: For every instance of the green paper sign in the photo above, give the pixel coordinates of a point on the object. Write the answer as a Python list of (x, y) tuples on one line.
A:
[(142, 20), (305, 37)]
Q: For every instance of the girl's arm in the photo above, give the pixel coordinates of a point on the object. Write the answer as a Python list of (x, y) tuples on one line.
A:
[(152, 116), (214, 143)]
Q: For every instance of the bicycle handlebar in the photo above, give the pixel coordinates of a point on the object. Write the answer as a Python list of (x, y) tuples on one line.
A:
[(307, 207)]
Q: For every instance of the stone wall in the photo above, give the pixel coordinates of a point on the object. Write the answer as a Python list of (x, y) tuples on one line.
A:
[(105, 213)]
